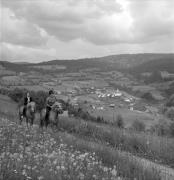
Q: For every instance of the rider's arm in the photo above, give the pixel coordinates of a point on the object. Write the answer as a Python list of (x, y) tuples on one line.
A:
[(47, 104)]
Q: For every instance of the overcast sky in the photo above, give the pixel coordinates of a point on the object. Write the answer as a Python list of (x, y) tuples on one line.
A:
[(40, 30)]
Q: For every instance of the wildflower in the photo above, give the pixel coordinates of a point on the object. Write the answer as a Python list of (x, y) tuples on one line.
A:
[(15, 171), (94, 176), (28, 177), (81, 176), (40, 177), (57, 167), (62, 168), (114, 172), (105, 169), (55, 162), (24, 172)]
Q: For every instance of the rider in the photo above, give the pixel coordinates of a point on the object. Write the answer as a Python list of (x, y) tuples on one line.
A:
[(51, 99), (27, 100)]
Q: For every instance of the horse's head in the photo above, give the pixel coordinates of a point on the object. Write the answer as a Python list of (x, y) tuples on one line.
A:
[(31, 107), (57, 107)]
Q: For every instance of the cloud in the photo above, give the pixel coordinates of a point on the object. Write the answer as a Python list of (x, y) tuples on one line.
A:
[(19, 31), (70, 19), (11, 52), (85, 28), (152, 19)]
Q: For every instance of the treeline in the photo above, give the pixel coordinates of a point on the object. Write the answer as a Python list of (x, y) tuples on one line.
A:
[(80, 113), (38, 97), (160, 64)]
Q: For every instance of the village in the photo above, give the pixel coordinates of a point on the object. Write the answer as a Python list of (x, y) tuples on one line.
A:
[(89, 90)]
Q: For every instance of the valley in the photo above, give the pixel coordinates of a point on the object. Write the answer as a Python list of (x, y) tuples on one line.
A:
[(121, 114)]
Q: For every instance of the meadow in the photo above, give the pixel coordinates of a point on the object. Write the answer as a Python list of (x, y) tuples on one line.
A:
[(36, 154), (26, 154), (80, 149)]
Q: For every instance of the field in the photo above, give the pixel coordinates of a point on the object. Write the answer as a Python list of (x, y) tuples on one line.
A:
[(101, 107), (129, 116), (32, 88), (49, 67), (80, 150)]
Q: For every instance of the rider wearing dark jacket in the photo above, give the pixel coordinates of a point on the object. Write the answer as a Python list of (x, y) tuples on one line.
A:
[(27, 100)]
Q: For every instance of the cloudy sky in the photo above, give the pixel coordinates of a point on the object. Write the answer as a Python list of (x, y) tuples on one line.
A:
[(40, 30)]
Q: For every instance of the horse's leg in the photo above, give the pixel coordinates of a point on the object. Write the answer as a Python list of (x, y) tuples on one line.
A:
[(27, 121), (46, 123), (31, 123), (57, 120), (41, 123), (47, 120)]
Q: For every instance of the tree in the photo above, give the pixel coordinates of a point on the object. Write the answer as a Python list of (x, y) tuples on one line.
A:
[(170, 102), (138, 125), (148, 96), (119, 121), (172, 129), (170, 113)]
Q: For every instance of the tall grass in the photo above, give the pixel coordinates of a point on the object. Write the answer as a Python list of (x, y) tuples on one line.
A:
[(32, 154), (127, 166), (144, 145)]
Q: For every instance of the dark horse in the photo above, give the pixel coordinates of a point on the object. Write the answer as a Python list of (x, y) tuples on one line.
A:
[(29, 115), (53, 118)]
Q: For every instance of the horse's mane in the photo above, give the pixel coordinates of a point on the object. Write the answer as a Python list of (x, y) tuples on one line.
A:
[(57, 106), (32, 103)]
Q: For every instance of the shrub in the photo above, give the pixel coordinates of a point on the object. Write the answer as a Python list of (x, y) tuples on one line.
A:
[(138, 126), (148, 96), (170, 101), (170, 113), (17, 94), (119, 121), (172, 129), (161, 129)]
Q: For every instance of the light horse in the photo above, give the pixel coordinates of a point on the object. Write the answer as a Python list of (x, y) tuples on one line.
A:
[(53, 118), (29, 115)]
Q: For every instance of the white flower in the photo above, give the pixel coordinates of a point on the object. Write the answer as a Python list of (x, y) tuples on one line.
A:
[(40, 177), (114, 172)]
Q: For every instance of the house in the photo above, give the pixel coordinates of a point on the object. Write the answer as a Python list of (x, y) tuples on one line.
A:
[(118, 93)]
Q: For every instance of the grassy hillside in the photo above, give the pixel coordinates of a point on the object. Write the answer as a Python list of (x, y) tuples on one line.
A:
[(80, 149)]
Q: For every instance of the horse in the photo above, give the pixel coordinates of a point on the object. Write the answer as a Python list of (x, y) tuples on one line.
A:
[(53, 118), (29, 113)]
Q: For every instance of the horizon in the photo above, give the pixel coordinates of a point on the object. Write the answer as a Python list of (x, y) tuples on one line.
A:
[(78, 29), (90, 58)]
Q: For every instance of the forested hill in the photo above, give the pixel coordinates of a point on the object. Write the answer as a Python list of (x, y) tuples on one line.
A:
[(133, 62), (162, 64)]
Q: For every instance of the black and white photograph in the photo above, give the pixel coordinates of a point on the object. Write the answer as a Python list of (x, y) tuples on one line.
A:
[(86, 89)]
